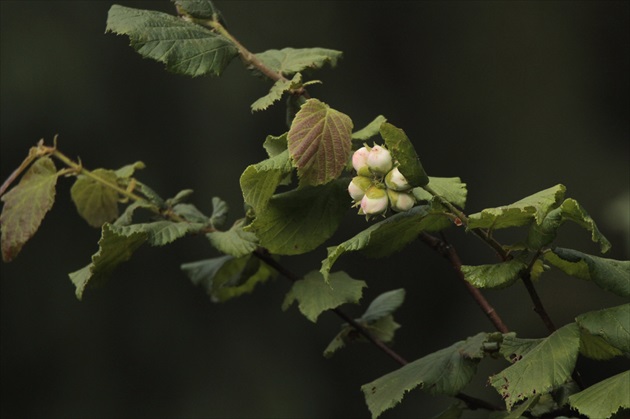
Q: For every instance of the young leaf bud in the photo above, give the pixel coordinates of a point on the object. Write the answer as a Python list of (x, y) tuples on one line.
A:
[(374, 202), (359, 161), (396, 181), (358, 186), (379, 160), (400, 201)]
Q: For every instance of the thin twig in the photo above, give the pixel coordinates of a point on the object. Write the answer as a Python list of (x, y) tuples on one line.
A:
[(449, 252), (471, 402)]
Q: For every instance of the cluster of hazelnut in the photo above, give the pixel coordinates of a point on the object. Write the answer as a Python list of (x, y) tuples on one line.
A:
[(379, 185)]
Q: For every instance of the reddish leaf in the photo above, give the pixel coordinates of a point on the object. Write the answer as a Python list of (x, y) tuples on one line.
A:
[(26, 205), (320, 141)]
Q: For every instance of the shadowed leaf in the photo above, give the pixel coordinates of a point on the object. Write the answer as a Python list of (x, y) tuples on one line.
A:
[(114, 248), (445, 371), (544, 367), (26, 205), (609, 274), (95, 202), (603, 399), (315, 296)]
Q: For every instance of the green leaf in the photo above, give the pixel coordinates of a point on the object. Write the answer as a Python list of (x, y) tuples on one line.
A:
[(300, 220), (226, 277), (383, 305), (513, 348), (494, 276), (339, 341), (573, 211), (450, 188), (160, 233), (403, 151), (96, 203), (259, 181), (235, 241), (126, 217), (128, 170), (535, 207), (26, 205), (388, 236), (201, 9), (191, 213), (603, 399), (219, 212), (454, 411), (544, 233), (289, 61), (609, 274), (543, 368), (185, 47), (275, 145), (319, 142), (611, 324), (314, 295), (114, 248), (446, 371), (383, 329), (523, 407), (181, 196), (596, 347), (370, 130), (275, 93), (377, 319)]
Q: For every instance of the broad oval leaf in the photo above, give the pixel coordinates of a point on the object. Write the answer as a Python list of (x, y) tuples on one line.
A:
[(403, 151), (519, 213), (160, 233), (450, 188), (26, 205), (603, 399), (543, 368), (185, 47), (314, 295), (289, 61), (541, 234), (388, 236), (611, 324), (609, 274), (300, 220), (320, 142), (383, 305), (95, 202), (494, 276), (370, 130), (235, 241), (114, 248), (446, 371), (226, 277), (259, 181)]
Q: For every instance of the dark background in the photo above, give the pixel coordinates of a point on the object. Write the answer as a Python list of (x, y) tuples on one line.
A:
[(513, 97)]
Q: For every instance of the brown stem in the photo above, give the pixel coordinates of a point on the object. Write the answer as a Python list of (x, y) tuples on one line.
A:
[(472, 402), (449, 252)]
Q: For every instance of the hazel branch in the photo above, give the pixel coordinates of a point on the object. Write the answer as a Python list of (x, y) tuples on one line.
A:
[(449, 252), (472, 402), (539, 308)]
